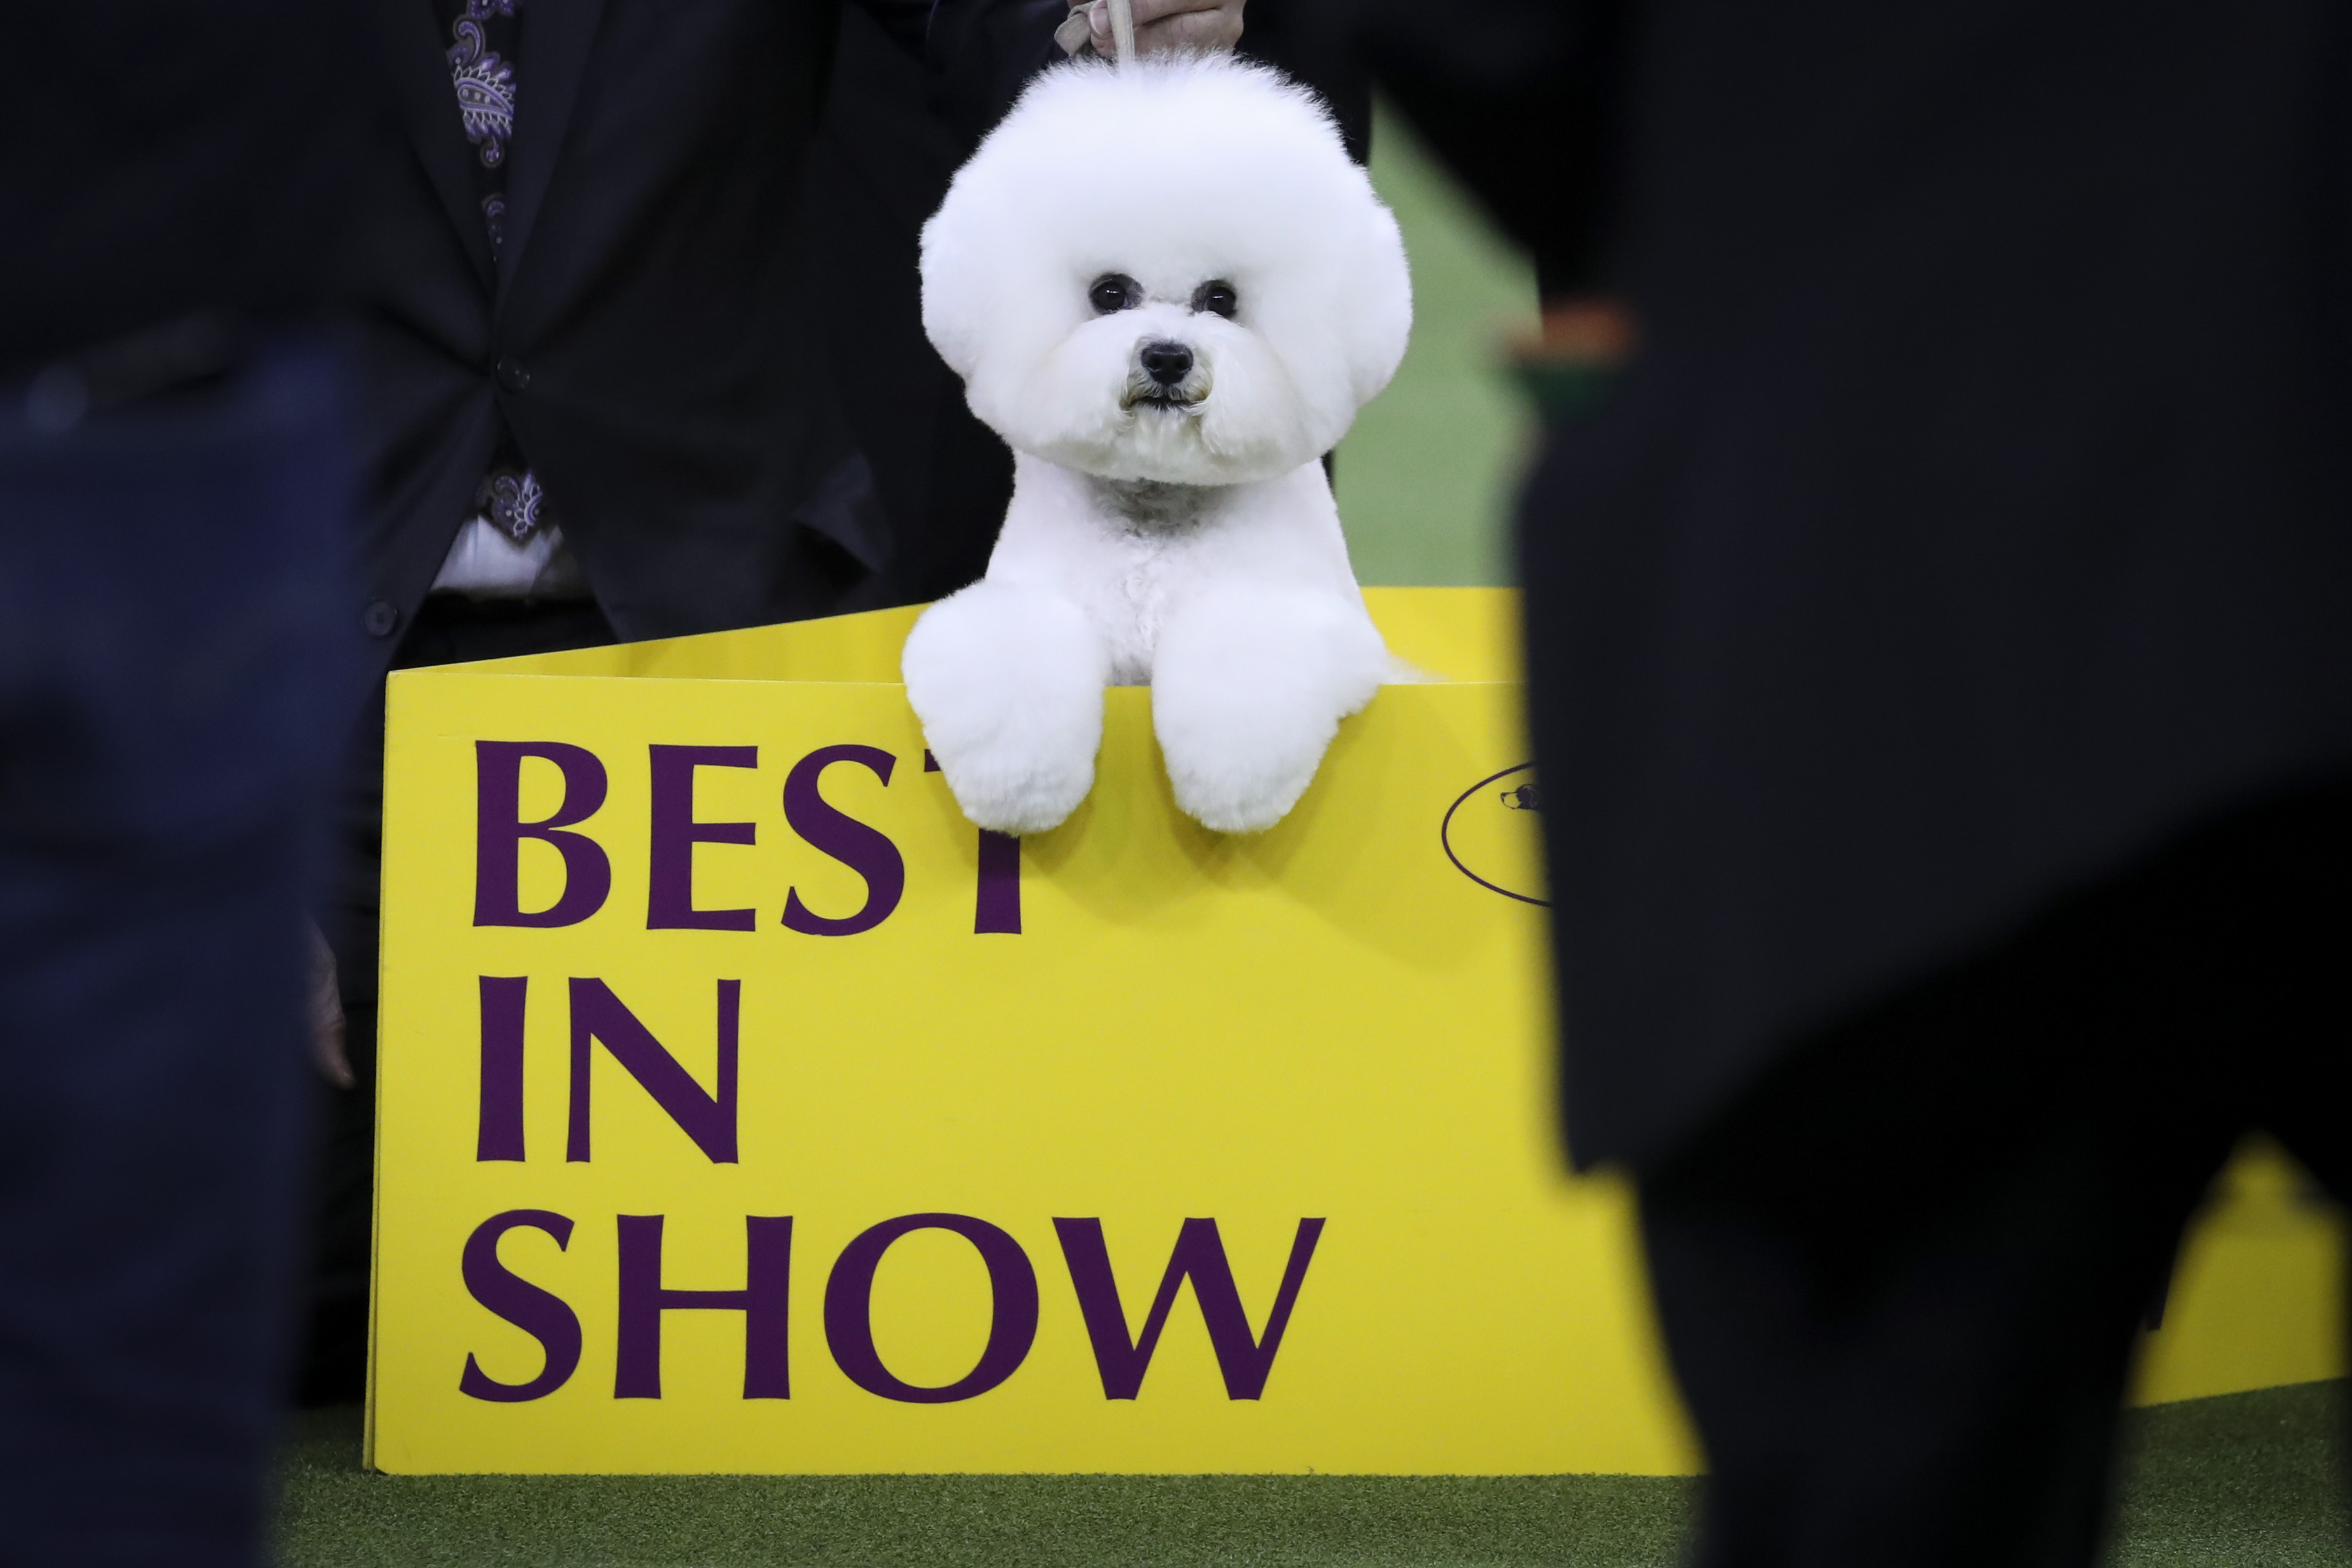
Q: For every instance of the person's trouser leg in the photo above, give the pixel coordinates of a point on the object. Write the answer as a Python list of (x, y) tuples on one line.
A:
[(2303, 1087), (1901, 1281), (168, 677), (1910, 1349)]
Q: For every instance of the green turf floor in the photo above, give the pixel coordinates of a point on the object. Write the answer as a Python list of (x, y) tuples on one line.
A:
[(2249, 1479)]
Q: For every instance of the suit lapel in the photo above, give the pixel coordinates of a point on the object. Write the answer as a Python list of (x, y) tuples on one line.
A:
[(557, 35), (417, 57)]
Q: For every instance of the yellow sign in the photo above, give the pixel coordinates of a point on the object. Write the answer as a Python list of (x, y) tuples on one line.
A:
[(744, 1108)]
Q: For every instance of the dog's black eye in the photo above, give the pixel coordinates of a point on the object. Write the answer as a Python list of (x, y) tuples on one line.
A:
[(1114, 292), (1216, 295)]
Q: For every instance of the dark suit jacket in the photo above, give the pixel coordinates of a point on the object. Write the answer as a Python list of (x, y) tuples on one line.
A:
[(640, 330), (934, 481), (1977, 515)]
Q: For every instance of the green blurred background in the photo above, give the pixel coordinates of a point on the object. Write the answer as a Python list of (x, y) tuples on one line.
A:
[(1425, 479)]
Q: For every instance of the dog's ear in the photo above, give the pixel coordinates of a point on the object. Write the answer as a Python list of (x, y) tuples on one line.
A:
[(993, 260), (1382, 318), (956, 259), (1336, 294)]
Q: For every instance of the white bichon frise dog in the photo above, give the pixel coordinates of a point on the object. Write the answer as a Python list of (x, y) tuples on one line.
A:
[(1170, 290)]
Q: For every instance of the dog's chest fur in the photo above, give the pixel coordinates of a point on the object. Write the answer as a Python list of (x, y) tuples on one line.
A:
[(1151, 530)]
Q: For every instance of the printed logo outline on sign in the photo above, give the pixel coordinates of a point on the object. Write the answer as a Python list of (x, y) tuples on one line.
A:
[(1523, 797)]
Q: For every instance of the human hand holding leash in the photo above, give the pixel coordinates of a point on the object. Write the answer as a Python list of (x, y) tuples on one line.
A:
[(1163, 26)]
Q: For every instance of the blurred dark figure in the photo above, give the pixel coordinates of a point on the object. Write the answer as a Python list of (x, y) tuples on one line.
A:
[(1941, 654), (1517, 96), (175, 492)]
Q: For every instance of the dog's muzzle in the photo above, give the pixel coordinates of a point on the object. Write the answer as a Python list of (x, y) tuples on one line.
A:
[(1165, 374)]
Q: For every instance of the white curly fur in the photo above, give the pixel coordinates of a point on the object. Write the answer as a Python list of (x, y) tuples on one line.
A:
[(1190, 543)]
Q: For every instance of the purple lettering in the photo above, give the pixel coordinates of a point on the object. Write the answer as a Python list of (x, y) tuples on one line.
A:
[(498, 1130), (499, 833), (853, 843), (707, 1118), (849, 1308), (996, 901), (764, 1301), (540, 1314), (670, 885), (1243, 1358), (996, 907)]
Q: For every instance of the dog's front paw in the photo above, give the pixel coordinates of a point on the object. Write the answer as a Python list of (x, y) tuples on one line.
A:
[(1008, 683), (1247, 688)]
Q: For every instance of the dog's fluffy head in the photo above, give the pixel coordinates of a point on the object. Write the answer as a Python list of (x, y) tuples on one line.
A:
[(1169, 272)]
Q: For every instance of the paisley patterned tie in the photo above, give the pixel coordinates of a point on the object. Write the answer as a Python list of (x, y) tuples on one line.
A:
[(482, 69)]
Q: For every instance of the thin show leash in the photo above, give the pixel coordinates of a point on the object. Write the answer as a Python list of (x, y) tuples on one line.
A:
[(1122, 31), (1076, 30)]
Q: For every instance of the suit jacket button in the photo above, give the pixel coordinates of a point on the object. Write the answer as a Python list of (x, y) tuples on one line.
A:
[(380, 616), (512, 375)]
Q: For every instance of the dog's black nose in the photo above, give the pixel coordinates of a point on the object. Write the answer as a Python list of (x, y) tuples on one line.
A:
[(1166, 362)]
